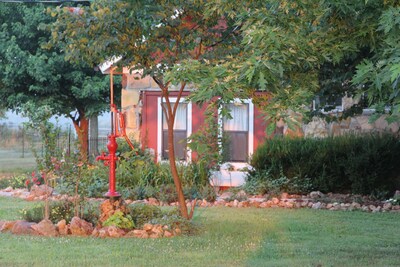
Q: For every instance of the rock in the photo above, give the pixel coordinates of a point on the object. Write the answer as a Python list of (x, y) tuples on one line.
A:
[(316, 194), (255, 204), (147, 227), (275, 201), (113, 231), (235, 203), (7, 226), (45, 228), (316, 205), (168, 234), (30, 198), (226, 195), (329, 206), (95, 233), (387, 206), (23, 228), (41, 190), (62, 227), (153, 201), (241, 195), (244, 204), (8, 189), (80, 227), (355, 205), (264, 204), (177, 231), (284, 195)]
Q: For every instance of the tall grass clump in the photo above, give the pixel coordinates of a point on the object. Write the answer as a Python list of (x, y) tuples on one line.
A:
[(359, 164)]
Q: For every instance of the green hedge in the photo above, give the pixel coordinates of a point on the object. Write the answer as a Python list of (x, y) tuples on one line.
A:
[(367, 164)]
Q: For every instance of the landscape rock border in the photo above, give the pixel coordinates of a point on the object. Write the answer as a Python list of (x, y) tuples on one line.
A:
[(313, 200)]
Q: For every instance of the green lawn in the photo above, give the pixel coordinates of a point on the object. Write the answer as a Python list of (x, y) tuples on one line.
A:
[(230, 237), (12, 162)]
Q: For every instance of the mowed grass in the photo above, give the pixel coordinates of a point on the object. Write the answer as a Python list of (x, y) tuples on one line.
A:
[(12, 162), (229, 237)]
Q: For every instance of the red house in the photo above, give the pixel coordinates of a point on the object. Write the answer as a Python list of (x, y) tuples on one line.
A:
[(141, 102)]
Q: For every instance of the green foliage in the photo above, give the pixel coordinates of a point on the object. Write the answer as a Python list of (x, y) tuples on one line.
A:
[(120, 220), (142, 213), (378, 77), (174, 220), (62, 210), (16, 181), (357, 164)]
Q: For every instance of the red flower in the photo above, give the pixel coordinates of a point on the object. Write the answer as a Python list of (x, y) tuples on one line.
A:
[(27, 182)]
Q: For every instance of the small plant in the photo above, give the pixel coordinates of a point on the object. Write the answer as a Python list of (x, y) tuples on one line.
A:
[(120, 220), (173, 221), (36, 179), (141, 213), (59, 210)]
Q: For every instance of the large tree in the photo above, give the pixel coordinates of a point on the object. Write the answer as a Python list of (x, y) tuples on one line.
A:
[(30, 72), (152, 36)]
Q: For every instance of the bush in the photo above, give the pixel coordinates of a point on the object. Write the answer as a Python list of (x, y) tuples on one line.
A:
[(120, 220), (59, 210), (142, 213), (348, 164)]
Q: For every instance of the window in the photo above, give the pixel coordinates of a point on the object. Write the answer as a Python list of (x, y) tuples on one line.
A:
[(236, 131), (180, 133), (182, 130)]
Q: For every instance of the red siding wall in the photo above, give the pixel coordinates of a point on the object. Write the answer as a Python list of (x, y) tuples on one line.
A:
[(149, 120)]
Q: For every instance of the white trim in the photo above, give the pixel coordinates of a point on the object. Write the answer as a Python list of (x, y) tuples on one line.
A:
[(159, 126), (251, 129)]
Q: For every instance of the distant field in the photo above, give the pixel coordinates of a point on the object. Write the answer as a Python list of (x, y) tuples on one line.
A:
[(12, 161)]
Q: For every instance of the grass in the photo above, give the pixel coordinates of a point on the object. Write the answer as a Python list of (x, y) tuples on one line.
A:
[(12, 162), (230, 237)]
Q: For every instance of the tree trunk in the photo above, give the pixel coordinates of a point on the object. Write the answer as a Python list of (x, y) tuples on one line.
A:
[(174, 170), (82, 130)]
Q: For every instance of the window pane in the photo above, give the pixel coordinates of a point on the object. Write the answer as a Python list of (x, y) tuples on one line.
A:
[(179, 145), (237, 146), (180, 118), (240, 118)]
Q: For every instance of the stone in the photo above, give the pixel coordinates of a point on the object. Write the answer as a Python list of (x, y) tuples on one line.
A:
[(168, 234), (80, 227), (244, 204), (45, 228), (316, 205), (95, 233), (41, 190), (62, 227), (30, 198), (255, 204), (7, 226), (316, 194), (113, 231), (147, 227), (8, 189), (23, 228), (284, 195), (153, 201), (387, 206), (241, 194), (275, 201), (226, 195), (264, 204), (235, 203), (177, 231)]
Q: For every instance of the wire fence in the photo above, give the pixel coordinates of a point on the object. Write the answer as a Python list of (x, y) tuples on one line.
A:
[(17, 144)]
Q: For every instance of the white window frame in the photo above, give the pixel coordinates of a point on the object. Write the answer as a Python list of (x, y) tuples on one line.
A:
[(160, 125), (250, 144)]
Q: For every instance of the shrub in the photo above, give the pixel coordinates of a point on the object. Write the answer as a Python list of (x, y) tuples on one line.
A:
[(142, 213), (120, 220), (59, 210), (348, 164), (173, 220)]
